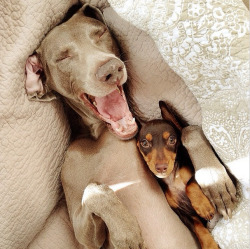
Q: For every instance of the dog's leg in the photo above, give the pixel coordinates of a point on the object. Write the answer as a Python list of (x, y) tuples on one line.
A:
[(117, 164), (95, 210), (100, 210), (199, 201), (210, 174), (204, 236), (193, 223)]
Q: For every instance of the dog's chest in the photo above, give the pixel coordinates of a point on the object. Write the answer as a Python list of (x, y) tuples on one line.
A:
[(176, 193), (175, 184)]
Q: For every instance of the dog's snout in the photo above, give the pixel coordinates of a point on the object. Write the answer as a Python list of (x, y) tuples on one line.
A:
[(111, 72), (161, 168)]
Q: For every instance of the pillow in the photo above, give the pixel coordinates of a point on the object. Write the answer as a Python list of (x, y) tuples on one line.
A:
[(33, 135)]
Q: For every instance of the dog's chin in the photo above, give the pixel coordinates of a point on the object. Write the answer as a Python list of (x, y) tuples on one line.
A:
[(125, 134), (114, 111), (162, 176)]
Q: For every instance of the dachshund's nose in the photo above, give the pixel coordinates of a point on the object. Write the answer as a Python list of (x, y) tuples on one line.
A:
[(161, 168), (111, 72)]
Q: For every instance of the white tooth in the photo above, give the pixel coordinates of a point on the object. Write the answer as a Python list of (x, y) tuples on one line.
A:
[(129, 116), (94, 103), (119, 90), (131, 121), (119, 129)]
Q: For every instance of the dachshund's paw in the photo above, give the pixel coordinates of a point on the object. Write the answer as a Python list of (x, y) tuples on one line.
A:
[(204, 209)]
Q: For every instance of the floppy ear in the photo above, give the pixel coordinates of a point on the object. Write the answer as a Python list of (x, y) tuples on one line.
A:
[(91, 11), (35, 87), (168, 114)]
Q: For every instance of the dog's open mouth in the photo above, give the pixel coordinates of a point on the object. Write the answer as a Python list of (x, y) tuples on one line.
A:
[(113, 109)]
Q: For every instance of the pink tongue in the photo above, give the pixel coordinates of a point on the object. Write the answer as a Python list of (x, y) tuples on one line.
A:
[(112, 106)]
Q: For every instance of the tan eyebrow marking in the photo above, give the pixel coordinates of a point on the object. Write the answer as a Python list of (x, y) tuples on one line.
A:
[(165, 134), (149, 137)]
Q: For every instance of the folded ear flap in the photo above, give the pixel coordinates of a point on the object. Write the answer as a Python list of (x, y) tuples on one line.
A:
[(93, 12), (36, 89), (170, 115)]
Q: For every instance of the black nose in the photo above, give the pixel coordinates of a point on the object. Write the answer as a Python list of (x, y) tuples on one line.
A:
[(111, 72), (161, 168)]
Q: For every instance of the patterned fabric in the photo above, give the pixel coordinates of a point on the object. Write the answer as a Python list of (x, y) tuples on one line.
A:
[(34, 136), (234, 233), (207, 44)]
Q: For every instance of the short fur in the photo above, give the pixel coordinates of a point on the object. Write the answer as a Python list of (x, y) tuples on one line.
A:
[(163, 139), (79, 60)]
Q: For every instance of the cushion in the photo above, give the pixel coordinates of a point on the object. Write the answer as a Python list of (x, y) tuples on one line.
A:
[(199, 51)]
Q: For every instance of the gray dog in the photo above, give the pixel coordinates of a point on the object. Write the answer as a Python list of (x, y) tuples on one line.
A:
[(108, 191)]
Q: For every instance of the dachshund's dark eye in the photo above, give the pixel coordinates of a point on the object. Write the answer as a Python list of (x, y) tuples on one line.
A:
[(172, 140), (145, 144)]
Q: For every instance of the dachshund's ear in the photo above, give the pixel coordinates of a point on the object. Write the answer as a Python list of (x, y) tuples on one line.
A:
[(93, 12), (35, 86), (169, 115), (139, 123)]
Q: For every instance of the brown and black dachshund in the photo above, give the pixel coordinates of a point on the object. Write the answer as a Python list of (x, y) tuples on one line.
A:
[(159, 142)]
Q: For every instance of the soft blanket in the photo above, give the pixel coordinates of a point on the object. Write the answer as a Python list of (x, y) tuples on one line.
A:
[(207, 44), (200, 48)]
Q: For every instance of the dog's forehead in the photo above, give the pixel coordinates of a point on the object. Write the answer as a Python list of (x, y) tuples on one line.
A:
[(156, 129), (77, 28)]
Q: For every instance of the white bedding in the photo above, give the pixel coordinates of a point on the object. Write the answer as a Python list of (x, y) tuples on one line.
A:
[(206, 43), (201, 51)]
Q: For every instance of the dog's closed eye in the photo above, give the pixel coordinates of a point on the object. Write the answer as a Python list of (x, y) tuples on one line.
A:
[(102, 32), (64, 55), (99, 34)]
